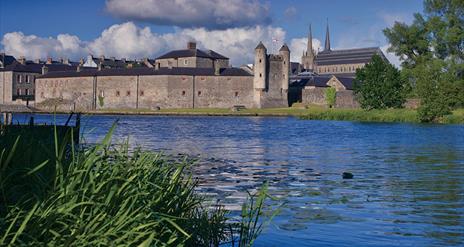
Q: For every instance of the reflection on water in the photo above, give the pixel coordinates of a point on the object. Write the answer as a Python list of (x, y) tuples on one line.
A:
[(408, 187)]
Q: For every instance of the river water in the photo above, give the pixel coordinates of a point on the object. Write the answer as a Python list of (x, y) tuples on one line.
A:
[(407, 190)]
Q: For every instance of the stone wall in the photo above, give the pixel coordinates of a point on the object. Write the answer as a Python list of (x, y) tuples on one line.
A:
[(346, 99), (143, 92), (314, 96), (71, 93)]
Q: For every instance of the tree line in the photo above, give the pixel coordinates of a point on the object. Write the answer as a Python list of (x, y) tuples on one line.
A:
[(431, 52)]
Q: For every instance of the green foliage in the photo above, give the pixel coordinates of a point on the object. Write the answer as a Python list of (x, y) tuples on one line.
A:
[(359, 115), (101, 101), (330, 96), (431, 49), (104, 196), (379, 85)]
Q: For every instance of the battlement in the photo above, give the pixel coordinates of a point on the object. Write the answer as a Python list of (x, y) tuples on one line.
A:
[(275, 57)]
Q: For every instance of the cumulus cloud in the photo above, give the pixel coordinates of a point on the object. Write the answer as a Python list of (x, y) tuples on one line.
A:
[(217, 14), (290, 12), (31, 46), (130, 41), (298, 46)]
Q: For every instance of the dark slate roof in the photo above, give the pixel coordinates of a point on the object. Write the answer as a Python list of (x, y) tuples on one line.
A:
[(294, 67), (284, 48), (6, 59), (347, 82), (349, 56), (260, 46), (319, 81), (193, 53), (37, 68), (148, 71)]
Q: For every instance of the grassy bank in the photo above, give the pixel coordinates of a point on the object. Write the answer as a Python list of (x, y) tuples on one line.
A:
[(52, 193), (311, 113)]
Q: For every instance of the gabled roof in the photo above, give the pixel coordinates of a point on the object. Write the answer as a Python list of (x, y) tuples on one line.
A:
[(149, 71), (37, 68), (319, 81), (348, 56), (6, 59), (192, 53)]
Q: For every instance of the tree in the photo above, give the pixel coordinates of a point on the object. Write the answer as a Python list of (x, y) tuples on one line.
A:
[(379, 85), (330, 96), (432, 54)]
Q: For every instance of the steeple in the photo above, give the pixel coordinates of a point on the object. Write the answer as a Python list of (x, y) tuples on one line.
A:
[(327, 38), (310, 51)]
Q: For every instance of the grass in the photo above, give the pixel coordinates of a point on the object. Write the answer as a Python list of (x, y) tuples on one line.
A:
[(52, 193)]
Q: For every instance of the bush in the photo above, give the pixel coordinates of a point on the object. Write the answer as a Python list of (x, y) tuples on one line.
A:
[(330, 96), (379, 85)]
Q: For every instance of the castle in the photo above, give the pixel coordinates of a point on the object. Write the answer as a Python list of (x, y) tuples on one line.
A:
[(187, 78)]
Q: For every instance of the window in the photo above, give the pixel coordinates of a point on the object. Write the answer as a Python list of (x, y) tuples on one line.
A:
[(26, 91), (185, 61), (18, 91), (260, 75), (199, 93), (102, 93), (128, 93), (236, 94), (142, 93), (118, 93), (260, 61), (18, 78), (183, 93)]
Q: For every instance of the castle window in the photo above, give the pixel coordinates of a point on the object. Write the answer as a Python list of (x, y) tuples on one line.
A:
[(183, 93), (118, 93), (285, 62), (142, 93), (128, 93), (283, 76), (260, 61), (102, 93), (260, 75), (199, 93), (185, 61), (236, 94), (18, 78), (26, 91), (18, 91)]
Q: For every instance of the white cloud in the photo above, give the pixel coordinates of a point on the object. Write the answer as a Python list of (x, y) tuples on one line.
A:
[(217, 14), (297, 46), (390, 18), (129, 41), (31, 46), (395, 60)]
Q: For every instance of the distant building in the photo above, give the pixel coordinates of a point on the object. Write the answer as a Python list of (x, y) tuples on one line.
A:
[(192, 58), (110, 63), (337, 62)]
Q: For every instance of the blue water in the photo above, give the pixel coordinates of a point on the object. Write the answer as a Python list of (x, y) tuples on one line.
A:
[(408, 186)]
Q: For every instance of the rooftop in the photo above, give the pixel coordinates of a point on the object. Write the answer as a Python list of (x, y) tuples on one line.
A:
[(348, 56), (149, 71)]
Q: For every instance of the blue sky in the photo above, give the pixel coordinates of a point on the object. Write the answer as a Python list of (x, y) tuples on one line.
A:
[(354, 23)]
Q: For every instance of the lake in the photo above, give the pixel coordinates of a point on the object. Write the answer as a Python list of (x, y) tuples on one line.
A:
[(407, 190)]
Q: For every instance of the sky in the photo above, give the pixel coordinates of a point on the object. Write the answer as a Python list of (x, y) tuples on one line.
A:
[(135, 29)]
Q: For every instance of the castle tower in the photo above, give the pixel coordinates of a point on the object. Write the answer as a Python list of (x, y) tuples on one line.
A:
[(308, 57), (327, 38), (285, 53), (271, 77)]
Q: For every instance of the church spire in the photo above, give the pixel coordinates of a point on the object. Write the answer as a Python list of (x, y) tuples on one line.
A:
[(327, 38), (310, 51)]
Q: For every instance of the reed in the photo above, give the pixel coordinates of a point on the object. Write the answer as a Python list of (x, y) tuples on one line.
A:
[(52, 193)]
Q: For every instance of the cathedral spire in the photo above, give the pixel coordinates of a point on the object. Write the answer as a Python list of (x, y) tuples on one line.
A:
[(310, 51), (327, 38)]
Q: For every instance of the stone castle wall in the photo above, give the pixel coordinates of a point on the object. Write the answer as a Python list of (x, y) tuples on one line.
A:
[(144, 92), (316, 96)]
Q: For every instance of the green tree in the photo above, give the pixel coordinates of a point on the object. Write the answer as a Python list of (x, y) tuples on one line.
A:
[(330, 96), (379, 85), (432, 54)]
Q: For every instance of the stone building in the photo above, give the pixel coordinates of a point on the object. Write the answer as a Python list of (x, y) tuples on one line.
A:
[(212, 84), (192, 58), (17, 79), (342, 63)]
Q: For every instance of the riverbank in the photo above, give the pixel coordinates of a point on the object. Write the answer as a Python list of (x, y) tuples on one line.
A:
[(311, 113)]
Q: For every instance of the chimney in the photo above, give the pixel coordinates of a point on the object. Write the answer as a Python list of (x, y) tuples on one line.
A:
[(192, 45), (99, 66), (78, 69), (157, 66), (44, 70), (37, 61), (22, 60), (81, 61), (217, 68), (66, 61), (49, 60)]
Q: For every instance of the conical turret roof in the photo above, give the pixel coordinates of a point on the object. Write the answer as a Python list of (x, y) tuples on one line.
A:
[(260, 46)]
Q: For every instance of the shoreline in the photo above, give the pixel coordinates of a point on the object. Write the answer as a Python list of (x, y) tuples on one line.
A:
[(312, 113)]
